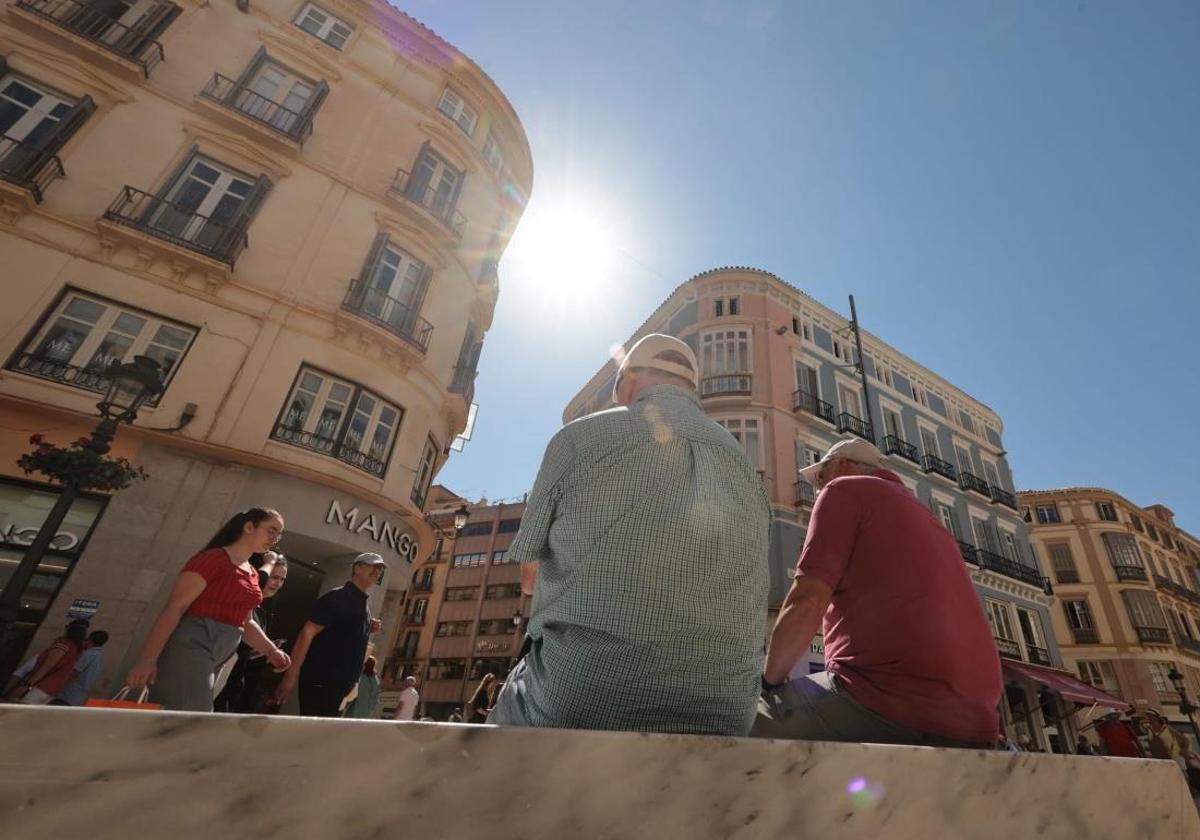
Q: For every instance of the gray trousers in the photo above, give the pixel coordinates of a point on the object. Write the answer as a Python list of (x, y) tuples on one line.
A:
[(188, 664), (818, 708), (510, 704)]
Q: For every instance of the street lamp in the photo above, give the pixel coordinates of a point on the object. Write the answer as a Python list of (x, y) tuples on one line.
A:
[(1185, 705), (130, 385), (460, 521)]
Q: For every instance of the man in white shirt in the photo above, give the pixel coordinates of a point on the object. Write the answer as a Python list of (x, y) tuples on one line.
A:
[(406, 706)]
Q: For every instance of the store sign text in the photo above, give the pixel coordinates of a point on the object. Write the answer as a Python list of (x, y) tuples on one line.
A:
[(380, 530), (25, 535)]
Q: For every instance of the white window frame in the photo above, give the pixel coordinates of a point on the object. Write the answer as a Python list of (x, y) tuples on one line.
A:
[(995, 610), (493, 152), (326, 29), (50, 108), (922, 428), (453, 106), (1037, 512), (991, 472), (424, 475), (884, 407), (959, 447), (1098, 673), (143, 342), (1035, 624), (713, 345), (1158, 677), (737, 426), (1086, 613), (349, 409), (1008, 544), (797, 363)]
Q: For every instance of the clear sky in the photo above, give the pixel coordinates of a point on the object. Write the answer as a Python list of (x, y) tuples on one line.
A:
[(1010, 190)]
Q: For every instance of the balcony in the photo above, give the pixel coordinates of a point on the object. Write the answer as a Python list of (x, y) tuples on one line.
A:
[(1009, 568), (1001, 496), (725, 385), (811, 404), (967, 481), (463, 383), (1066, 576), (344, 452), (1130, 573), (1086, 635), (1175, 589), (435, 202), (1153, 635), (130, 43), (1038, 655), (28, 166), (968, 552), (227, 93), (934, 464), (1008, 648), (847, 422), (179, 225), (806, 494), (389, 313), (1190, 645), (893, 445)]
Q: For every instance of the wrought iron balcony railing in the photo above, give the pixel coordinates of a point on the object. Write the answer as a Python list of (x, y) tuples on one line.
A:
[(728, 384), (1002, 496), (1038, 655), (341, 450), (968, 552), (1066, 575), (806, 494), (463, 383), (1130, 573), (968, 481), (893, 445), (1008, 648), (1085, 635), (1009, 568), (90, 23), (376, 306), (28, 166), (291, 124), (436, 202), (177, 224), (847, 422), (812, 404), (1190, 645), (934, 464), (1175, 589), (1153, 635)]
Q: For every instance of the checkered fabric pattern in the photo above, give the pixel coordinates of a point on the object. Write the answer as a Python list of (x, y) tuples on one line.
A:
[(650, 529)]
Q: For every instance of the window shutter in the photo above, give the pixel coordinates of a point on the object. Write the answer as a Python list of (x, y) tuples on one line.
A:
[(68, 125), (255, 63), (156, 21), (249, 208), (418, 179), (372, 263), (314, 103), (174, 177)]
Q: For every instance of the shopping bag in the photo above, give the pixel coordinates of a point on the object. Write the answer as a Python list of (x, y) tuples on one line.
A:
[(119, 702)]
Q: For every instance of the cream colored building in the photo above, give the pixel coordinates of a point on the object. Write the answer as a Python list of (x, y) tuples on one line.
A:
[(298, 209), (1128, 588)]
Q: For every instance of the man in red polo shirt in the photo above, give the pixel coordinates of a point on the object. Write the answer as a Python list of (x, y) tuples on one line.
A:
[(909, 656)]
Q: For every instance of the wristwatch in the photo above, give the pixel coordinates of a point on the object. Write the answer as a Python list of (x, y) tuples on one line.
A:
[(769, 686)]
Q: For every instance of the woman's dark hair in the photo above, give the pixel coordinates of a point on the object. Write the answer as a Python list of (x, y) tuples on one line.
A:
[(231, 530), (369, 667)]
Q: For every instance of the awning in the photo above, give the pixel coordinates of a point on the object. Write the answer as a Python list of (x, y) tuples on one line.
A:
[(1067, 686)]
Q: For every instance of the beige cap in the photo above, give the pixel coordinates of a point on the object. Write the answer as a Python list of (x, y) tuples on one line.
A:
[(855, 449), (369, 559), (665, 353)]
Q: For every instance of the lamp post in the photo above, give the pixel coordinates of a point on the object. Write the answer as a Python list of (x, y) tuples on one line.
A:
[(1185, 705), (130, 385)]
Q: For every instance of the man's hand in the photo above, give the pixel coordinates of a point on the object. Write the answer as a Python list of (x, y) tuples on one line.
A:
[(284, 690), (279, 660), (374, 626)]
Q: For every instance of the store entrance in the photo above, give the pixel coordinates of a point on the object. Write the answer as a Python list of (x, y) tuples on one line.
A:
[(295, 601)]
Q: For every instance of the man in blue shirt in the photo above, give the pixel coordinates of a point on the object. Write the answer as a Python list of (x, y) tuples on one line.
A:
[(87, 671)]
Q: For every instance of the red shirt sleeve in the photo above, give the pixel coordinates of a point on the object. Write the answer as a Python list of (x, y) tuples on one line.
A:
[(208, 564), (832, 533)]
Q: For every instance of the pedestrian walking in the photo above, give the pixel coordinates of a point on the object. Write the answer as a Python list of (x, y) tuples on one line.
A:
[(481, 700), (406, 706), (328, 655), (52, 669), (85, 673), (1084, 747), (207, 614), (363, 705), (242, 693), (644, 543), (875, 559)]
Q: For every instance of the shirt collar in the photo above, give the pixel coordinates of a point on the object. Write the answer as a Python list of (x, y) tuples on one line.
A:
[(886, 474), (667, 391)]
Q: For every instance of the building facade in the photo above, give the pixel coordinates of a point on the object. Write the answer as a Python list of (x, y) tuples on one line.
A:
[(779, 371), (299, 216), (1128, 587), (464, 616)]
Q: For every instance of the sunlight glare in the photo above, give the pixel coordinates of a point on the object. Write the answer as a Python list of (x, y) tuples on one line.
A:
[(564, 255)]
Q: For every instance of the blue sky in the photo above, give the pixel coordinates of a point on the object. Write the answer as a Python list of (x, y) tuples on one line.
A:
[(1011, 192)]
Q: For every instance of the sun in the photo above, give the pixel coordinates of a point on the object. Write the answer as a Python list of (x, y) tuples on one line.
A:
[(564, 254)]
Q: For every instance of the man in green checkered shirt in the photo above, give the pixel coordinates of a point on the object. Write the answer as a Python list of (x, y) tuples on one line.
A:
[(646, 533)]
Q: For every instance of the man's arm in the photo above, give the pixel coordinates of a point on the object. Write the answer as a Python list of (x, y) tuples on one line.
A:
[(299, 653), (528, 577), (798, 621), (533, 540)]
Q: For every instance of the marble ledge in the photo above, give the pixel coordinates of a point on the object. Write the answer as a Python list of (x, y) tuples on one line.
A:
[(100, 773)]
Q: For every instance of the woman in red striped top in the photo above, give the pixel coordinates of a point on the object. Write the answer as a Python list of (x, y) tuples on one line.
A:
[(207, 614)]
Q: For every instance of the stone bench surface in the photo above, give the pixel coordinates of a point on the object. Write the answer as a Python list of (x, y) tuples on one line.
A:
[(99, 773)]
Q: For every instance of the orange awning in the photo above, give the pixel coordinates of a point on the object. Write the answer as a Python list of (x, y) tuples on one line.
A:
[(1067, 686)]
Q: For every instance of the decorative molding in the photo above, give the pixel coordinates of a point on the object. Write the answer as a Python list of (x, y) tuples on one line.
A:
[(226, 113), (249, 155), (298, 54), (50, 65), (418, 229), (1009, 586), (452, 143), (15, 202)]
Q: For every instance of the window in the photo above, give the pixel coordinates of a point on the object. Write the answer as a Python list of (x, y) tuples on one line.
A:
[(464, 561), (733, 306), (509, 526), (1166, 540), (83, 335), (476, 529), (462, 114), (447, 669), (35, 122), (435, 185), (277, 95), (206, 206), (964, 420), (496, 666), (918, 394), (1144, 609), (806, 379), (321, 24), (745, 431), (946, 514), (1152, 532), (1136, 522), (462, 593), (1122, 549), (1008, 544), (496, 627), (964, 460), (499, 558), (892, 425), (1158, 676), (796, 326), (424, 475), (1063, 563), (1047, 514), (725, 351), (390, 290), (409, 649), (493, 154), (807, 333), (339, 418), (983, 534), (849, 398), (416, 612), (1098, 673), (454, 628), (1031, 628), (1000, 618), (1106, 511), (1079, 615), (837, 348), (499, 591), (990, 474), (1026, 514), (718, 307), (929, 442), (806, 455)]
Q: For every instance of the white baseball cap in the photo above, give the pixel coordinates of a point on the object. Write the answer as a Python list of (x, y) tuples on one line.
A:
[(665, 353), (854, 449)]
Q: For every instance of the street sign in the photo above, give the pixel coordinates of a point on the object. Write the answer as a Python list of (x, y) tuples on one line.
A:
[(82, 608)]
